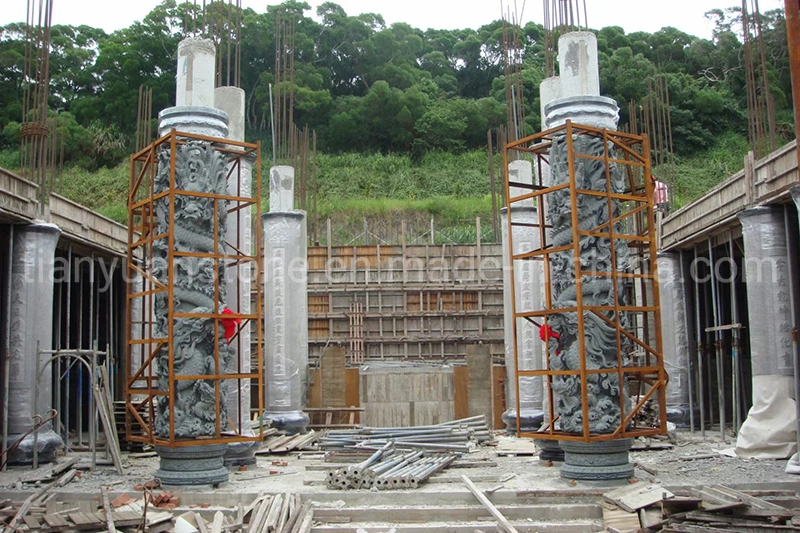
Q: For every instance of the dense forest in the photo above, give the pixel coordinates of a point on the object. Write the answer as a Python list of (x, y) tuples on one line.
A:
[(369, 88)]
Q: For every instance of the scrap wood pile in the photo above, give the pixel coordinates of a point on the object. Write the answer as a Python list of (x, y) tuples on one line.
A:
[(281, 513), (155, 512), (390, 468), (279, 442), (457, 436), (707, 509)]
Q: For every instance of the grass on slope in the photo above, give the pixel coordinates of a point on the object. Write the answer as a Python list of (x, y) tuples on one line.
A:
[(375, 192)]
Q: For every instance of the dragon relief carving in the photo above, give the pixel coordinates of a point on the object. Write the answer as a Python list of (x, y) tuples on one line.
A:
[(600, 339), (197, 281)]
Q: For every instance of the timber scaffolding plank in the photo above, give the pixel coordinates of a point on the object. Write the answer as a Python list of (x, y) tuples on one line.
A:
[(765, 181), (417, 303)]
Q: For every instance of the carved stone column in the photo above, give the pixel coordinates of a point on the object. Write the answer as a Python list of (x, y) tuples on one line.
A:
[(32, 271), (285, 306), (580, 103), (198, 226)]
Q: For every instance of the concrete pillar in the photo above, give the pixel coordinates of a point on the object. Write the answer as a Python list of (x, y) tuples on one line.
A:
[(549, 90), (769, 431), (32, 277), (578, 67), (238, 277), (194, 83), (528, 295), (675, 337), (285, 306)]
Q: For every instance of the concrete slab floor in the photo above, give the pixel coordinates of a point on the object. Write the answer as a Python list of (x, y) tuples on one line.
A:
[(517, 480)]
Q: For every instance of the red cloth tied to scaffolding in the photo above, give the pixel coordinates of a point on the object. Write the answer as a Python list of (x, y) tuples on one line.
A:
[(230, 324), (546, 333)]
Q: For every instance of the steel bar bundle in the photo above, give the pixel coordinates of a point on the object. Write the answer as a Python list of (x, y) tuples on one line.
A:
[(459, 435), (389, 468)]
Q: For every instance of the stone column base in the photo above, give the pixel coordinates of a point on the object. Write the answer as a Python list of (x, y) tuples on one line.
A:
[(48, 444), (241, 453), (192, 465), (531, 420), (597, 461), (292, 422), (549, 450)]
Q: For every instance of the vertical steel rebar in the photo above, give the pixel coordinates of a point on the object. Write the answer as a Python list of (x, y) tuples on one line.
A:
[(699, 337)]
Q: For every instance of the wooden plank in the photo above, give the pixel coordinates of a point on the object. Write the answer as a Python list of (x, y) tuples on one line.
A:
[(332, 368), (55, 521), (480, 382), (31, 522), (107, 510), (620, 521), (503, 524), (314, 388), (460, 392), (201, 524), (109, 428), (499, 401), (351, 391), (216, 525), (633, 497)]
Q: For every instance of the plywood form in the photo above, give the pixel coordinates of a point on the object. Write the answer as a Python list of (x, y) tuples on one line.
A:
[(407, 396)]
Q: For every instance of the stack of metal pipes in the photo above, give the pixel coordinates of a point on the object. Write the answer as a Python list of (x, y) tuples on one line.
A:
[(390, 468), (457, 436)]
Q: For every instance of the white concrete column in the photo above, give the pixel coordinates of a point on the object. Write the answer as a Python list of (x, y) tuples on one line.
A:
[(578, 68), (32, 278), (194, 84), (285, 306), (231, 100), (675, 336), (528, 276), (769, 431), (549, 90), (281, 189)]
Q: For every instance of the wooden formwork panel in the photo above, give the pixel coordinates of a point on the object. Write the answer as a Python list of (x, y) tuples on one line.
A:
[(400, 397)]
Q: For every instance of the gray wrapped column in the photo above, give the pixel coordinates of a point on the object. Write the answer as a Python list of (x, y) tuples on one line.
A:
[(285, 306), (32, 276), (769, 431), (528, 295), (675, 338), (238, 280)]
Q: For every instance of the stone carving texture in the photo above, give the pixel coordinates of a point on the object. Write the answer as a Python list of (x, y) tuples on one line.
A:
[(600, 338), (197, 281)]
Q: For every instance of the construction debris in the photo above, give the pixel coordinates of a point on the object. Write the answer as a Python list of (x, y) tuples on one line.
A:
[(707, 509), (282, 443), (457, 436), (280, 513)]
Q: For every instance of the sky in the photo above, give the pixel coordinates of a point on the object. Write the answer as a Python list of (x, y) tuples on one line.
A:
[(631, 15)]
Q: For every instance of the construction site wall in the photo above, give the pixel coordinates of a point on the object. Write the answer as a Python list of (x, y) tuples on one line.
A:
[(405, 303)]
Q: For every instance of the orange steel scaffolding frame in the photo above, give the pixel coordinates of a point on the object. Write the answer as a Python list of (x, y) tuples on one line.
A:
[(643, 375), (141, 391)]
